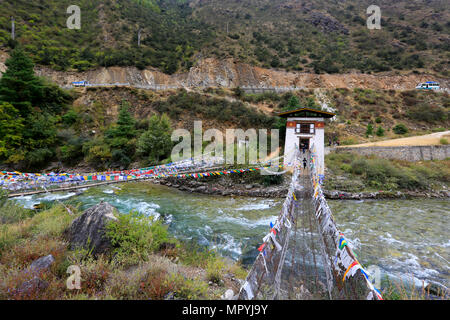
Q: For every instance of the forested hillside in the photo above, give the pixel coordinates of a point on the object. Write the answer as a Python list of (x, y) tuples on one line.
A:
[(323, 36), (108, 34)]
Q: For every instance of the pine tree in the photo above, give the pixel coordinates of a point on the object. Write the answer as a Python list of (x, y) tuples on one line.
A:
[(121, 137), (293, 103), (156, 142), (18, 85), (124, 129)]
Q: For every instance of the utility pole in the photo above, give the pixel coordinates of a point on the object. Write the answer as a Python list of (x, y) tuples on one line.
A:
[(13, 29), (227, 26), (139, 37)]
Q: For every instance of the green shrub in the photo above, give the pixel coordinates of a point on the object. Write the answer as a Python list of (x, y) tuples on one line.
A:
[(428, 113), (97, 152), (369, 130), (380, 132), (443, 141), (272, 179), (381, 172), (188, 289), (70, 117), (72, 151), (400, 129), (346, 167), (407, 179), (135, 237), (155, 143), (238, 92), (192, 254), (38, 157), (52, 222), (359, 166), (234, 36), (214, 270), (82, 65)]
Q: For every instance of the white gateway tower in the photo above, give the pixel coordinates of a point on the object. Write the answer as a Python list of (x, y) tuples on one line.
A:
[(305, 128)]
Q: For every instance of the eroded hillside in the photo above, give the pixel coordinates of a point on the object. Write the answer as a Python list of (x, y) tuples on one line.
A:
[(229, 73), (420, 112)]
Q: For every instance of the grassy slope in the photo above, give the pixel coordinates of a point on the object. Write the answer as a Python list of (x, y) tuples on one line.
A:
[(421, 112), (354, 173)]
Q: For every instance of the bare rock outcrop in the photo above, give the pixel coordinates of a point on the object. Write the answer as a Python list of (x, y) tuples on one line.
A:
[(35, 285), (88, 230), (42, 264), (327, 23)]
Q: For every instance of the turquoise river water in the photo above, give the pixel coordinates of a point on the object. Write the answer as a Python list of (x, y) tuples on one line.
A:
[(406, 239)]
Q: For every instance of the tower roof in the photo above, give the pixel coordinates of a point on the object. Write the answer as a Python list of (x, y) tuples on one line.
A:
[(306, 113)]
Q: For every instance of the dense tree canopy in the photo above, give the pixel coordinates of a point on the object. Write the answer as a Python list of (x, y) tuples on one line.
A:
[(18, 85), (29, 107), (155, 142)]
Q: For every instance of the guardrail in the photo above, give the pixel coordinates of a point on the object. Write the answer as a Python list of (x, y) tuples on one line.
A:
[(248, 89)]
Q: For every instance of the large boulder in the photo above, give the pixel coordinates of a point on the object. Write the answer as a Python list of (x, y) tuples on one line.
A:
[(437, 289), (42, 264), (36, 285), (88, 230)]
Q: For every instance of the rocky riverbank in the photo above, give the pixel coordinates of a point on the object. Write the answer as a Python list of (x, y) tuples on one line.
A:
[(225, 187), (100, 254)]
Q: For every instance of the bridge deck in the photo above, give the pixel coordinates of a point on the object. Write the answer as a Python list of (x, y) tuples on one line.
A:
[(305, 256)]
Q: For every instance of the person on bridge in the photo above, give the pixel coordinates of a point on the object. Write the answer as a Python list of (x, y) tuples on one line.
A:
[(303, 147), (304, 163)]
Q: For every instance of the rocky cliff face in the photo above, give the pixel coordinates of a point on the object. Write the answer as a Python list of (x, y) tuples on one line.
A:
[(211, 72), (3, 57)]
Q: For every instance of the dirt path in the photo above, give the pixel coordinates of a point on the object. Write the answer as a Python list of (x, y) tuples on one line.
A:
[(425, 140)]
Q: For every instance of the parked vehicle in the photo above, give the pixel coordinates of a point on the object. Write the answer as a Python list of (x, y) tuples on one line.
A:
[(429, 85), (80, 83)]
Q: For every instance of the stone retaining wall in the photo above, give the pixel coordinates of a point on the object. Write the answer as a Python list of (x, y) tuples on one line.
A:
[(408, 153)]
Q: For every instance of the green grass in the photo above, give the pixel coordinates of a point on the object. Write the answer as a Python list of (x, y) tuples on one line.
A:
[(372, 173)]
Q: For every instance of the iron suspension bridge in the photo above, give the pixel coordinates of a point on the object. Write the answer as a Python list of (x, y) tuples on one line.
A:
[(304, 255)]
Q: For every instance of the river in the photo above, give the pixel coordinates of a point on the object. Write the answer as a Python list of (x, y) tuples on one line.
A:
[(406, 239)]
